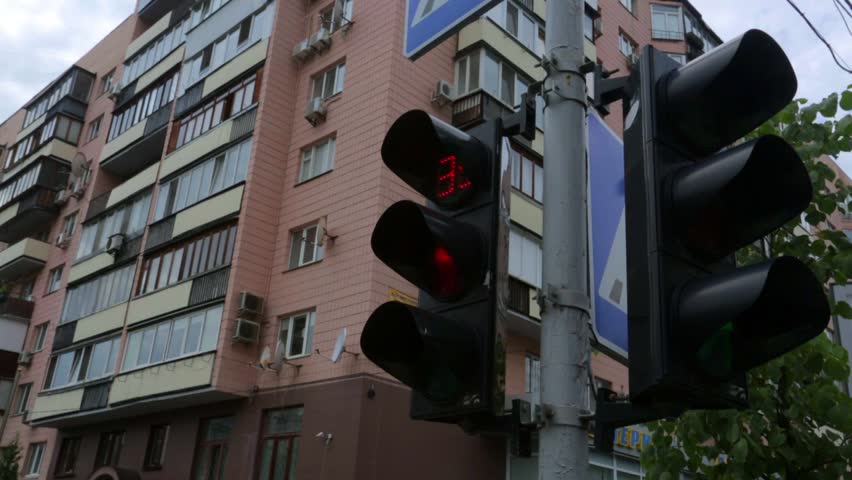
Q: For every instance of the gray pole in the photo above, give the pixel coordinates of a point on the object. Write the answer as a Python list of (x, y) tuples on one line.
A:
[(563, 444)]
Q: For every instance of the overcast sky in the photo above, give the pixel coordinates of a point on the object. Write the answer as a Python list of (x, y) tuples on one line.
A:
[(42, 38)]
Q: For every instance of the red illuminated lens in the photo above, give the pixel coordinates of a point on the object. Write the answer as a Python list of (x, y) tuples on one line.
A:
[(446, 273), (451, 178)]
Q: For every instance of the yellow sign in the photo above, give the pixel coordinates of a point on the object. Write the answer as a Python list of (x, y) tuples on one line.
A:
[(631, 438), (395, 295)]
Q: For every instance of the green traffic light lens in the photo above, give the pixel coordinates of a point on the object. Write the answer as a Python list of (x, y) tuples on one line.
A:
[(716, 355)]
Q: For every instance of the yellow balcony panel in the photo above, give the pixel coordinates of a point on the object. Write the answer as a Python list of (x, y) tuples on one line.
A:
[(31, 128), (535, 310), (501, 41), (54, 148), (90, 266), (51, 405), (235, 67), (197, 148), (124, 140), (23, 258), (101, 322), (159, 303), (8, 213), (173, 60), (153, 32), (527, 213), (193, 372), (209, 210), (136, 184), (538, 143), (590, 50), (540, 8)]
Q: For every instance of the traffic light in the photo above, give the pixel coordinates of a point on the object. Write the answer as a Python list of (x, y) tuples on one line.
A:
[(697, 323), (449, 349)]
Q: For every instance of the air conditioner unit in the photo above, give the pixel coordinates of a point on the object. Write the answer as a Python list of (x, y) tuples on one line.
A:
[(302, 51), (25, 359), (246, 331), (79, 188), (115, 244), (632, 61), (62, 197), (114, 92), (315, 111), (320, 40), (62, 240), (444, 93), (250, 304)]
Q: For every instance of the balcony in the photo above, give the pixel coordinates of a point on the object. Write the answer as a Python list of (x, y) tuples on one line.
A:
[(139, 147), (31, 213), (152, 10), (524, 316), (183, 383), (16, 308), (23, 258)]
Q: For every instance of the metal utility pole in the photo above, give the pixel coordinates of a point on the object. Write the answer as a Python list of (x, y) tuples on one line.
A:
[(563, 444)]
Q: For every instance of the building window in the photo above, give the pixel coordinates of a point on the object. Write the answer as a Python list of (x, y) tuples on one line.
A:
[(527, 174), (588, 25), (129, 219), (183, 336), (76, 84), (21, 184), (616, 467), (27, 290), (517, 21), (84, 364), (525, 257), (107, 82), (145, 105), (532, 382), (228, 46), (94, 128), (317, 159), (54, 279), (68, 225), (34, 458), (98, 294), (22, 400), (59, 127), (239, 98), (206, 179), (67, 458), (626, 45), (593, 391), (195, 256), (467, 72), (304, 246), (109, 449), (502, 81), (628, 4), (280, 448), (156, 449), (157, 50), (677, 57), (39, 334), (666, 23), (202, 10), (329, 82), (212, 453), (297, 334)]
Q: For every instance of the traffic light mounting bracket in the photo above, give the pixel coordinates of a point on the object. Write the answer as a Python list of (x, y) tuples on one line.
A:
[(612, 413)]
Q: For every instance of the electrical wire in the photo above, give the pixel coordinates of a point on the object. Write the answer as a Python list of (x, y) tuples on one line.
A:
[(837, 60), (841, 9)]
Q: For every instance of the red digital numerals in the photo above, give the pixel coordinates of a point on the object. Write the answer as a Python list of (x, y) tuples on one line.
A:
[(451, 177)]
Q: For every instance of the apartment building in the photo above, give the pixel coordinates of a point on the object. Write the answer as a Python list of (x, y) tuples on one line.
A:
[(195, 196)]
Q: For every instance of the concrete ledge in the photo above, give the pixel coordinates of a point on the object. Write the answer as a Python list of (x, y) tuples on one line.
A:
[(527, 213), (101, 322), (57, 404), (54, 148), (182, 374), (124, 140), (9, 213), (197, 148), (133, 185), (153, 32), (159, 303), (31, 128), (236, 66), (172, 60), (214, 208), (28, 247), (90, 266)]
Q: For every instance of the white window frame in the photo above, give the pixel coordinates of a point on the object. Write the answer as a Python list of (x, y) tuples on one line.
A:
[(310, 324), (54, 279), (300, 235), (39, 335), (517, 235), (532, 373), (28, 290), (677, 57), (526, 33), (624, 40), (628, 4), (312, 166), (35, 458), (336, 74), (22, 398), (669, 15)]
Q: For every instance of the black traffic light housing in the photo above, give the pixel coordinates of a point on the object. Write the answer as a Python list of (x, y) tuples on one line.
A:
[(450, 348), (697, 323)]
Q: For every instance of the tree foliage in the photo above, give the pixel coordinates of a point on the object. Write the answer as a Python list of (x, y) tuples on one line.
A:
[(799, 424), (10, 455)]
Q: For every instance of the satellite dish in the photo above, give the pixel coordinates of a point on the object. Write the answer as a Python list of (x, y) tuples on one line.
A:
[(279, 353), (79, 165), (265, 358), (339, 346)]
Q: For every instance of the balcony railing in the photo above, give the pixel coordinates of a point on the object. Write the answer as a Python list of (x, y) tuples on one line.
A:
[(16, 307), (35, 210), (667, 34), (519, 296)]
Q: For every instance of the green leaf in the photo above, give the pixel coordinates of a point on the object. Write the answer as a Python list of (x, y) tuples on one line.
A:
[(740, 451), (846, 100), (843, 309), (828, 107)]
